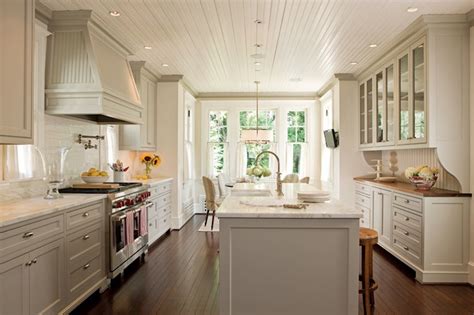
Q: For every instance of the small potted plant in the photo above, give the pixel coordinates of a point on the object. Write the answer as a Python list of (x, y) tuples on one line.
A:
[(422, 177), (150, 160)]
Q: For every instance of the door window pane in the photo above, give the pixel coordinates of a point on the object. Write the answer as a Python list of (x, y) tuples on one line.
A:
[(369, 127), (380, 107), (362, 113), (389, 88), (419, 92), (403, 97)]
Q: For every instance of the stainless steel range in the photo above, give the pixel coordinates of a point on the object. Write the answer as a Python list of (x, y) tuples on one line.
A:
[(127, 208)]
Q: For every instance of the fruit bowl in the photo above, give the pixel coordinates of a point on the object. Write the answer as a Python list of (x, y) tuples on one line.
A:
[(423, 183), (94, 179)]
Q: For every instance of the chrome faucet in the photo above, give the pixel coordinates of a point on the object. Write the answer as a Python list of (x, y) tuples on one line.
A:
[(279, 183)]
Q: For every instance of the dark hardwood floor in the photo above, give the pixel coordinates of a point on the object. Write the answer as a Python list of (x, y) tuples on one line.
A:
[(181, 276)]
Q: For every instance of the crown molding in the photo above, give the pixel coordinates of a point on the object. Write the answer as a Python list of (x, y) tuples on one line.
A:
[(301, 96), (171, 78), (333, 80), (470, 17), (42, 12)]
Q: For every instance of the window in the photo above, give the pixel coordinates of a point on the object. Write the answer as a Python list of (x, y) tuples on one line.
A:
[(217, 143), (266, 120), (296, 142)]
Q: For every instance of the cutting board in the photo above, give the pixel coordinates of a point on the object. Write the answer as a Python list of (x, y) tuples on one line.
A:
[(96, 186)]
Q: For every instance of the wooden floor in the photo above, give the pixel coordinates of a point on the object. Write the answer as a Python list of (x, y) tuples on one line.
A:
[(181, 276)]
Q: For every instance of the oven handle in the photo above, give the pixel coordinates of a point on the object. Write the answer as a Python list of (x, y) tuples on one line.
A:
[(148, 204), (119, 218)]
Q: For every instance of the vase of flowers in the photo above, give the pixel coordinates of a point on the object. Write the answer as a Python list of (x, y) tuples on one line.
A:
[(150, 160), (422, 177)]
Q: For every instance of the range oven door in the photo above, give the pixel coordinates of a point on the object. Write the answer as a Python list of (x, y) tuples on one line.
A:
[(119, 249), (140, 238)]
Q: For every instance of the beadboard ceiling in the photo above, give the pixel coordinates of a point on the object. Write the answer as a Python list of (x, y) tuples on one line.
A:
[(210, 41)]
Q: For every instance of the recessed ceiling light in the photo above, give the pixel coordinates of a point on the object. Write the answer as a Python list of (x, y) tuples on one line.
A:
[(148, 47), (296, 79), (257, 63), (353, 63), (114, 13), (257, 56), (373, 45), (164, 65), (412, 9)]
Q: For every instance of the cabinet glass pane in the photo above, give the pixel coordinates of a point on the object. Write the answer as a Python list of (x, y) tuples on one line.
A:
[(389, 88), (419, 92), (379, 106), (362, 114), (370, 109), (403, 98)]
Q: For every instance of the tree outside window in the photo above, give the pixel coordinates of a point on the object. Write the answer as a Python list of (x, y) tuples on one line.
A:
[(266, 120), (296, 139), (217, 141)]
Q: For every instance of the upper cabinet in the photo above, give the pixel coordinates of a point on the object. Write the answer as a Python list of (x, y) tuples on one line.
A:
[(142, 137), (16, 71)]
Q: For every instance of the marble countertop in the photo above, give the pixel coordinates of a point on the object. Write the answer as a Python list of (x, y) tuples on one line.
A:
[(262, 206), (153, 181), (26, 209)]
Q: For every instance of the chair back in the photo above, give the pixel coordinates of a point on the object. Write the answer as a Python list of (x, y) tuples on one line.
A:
[(210, 193), (305, 180), (291, 178), (221, 181)]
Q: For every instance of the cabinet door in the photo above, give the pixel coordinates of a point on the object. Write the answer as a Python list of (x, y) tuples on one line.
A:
[(380, 120), (418, 93), (389, 103), (46, 278), (403, 102), (14, 286), (383, 215), (362, 115), (150, 126), (16, 74), (369, 127)]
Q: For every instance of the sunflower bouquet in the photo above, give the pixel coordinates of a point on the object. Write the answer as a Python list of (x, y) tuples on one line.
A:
[(150, 160)]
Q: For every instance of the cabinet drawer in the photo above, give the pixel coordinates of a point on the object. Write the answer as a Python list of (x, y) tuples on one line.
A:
[(164, 224), (160, 189), (407, 218), (85, 275), (363, 189), (84, 240), (363, 201), (406, 233), (153, 228), (26, 235), (164, 211), (411, 203), (410, 252), (85, 215), (162, 201)]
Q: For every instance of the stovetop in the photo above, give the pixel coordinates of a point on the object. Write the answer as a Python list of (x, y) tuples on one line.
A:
[(123, 187)]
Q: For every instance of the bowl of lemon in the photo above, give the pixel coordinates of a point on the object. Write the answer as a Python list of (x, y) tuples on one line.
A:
[(94, 176)]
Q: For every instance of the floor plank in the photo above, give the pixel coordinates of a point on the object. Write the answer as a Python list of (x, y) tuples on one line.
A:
[(181, 276)]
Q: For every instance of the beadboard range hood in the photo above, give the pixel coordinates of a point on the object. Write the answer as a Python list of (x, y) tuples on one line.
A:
[(88, 75)]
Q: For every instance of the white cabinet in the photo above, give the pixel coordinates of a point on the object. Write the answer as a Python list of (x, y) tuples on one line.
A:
[(16, 71), (142, 137), (33, 283), (159, 214), (429, 233), (382, 214)]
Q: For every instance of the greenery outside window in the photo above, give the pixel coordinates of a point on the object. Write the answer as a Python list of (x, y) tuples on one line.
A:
[(217, 143), (296, 141)]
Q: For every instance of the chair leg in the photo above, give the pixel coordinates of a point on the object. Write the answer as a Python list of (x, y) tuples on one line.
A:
[(366, 280), (207, 215), (212, 223)]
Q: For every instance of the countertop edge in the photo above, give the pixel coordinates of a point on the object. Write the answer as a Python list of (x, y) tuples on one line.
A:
[(228, 215), (434, 193)]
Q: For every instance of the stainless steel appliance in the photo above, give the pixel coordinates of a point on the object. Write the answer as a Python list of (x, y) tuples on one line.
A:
[(127, 207)]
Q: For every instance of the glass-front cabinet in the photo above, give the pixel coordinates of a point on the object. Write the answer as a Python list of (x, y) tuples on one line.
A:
[(411, 95), (392, 105)]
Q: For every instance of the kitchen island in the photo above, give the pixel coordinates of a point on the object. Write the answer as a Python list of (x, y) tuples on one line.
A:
[(275, 260)]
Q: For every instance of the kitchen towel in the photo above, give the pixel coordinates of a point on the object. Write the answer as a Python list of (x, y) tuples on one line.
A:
[(143, 221), (129, 223)]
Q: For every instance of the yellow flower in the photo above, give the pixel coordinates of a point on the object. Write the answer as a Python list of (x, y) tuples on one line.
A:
[(156, 161), (146, 157)]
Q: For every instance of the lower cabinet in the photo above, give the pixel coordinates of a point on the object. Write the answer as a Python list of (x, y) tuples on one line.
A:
[(159, 215), (382, 214), (33, 283)]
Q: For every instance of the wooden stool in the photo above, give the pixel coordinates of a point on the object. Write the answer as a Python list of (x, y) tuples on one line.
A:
[(367, 239)]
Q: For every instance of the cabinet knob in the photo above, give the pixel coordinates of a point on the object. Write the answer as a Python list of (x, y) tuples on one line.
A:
[(86, 237), (407, 219), (85, 214), (407, 201), (34, 261), (406, 233), (28, 235), (28, 263), (86, 266), (405, 247)]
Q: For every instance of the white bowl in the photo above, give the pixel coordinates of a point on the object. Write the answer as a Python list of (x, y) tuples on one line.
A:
[(95, 179)]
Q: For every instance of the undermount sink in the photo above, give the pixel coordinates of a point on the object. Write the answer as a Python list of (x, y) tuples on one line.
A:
[(251, 192)]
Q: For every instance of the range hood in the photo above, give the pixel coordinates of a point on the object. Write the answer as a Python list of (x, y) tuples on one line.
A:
[(88, 75)]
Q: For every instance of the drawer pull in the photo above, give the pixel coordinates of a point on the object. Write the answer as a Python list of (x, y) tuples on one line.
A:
[(86, 266), (406, 201), (86, 237), (407, 219), (28, 263), (28, 235), (405, 248), (85, 214), (406, 233), (34, 261)]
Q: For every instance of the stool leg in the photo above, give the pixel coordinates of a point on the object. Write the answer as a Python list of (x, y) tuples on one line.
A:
[(366, 280), (371, 272)]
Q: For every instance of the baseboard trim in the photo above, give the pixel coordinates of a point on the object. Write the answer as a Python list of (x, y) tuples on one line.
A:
[(471, 272)]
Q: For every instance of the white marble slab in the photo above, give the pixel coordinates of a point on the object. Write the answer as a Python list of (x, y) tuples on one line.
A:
[(153, 181), (261, 207), (29, 208)]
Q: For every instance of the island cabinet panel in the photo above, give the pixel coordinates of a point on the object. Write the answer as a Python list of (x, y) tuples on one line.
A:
[(16, 71), (14, 286), (426, 231)]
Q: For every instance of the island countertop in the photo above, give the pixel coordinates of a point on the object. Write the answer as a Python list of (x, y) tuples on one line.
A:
[(267, 206)]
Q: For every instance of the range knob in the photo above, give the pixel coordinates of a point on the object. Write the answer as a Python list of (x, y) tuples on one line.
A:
[(119, 204), (139, 198), (129, 202)]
